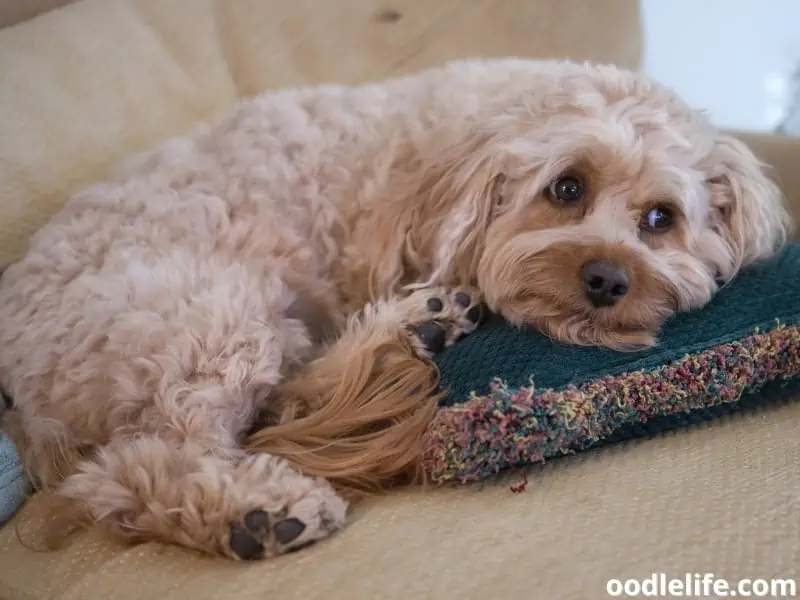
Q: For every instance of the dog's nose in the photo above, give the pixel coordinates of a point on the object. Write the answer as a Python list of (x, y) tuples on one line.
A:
[(604, 281)]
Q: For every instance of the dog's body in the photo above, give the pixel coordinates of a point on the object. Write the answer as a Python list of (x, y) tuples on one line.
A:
[(300, 261)]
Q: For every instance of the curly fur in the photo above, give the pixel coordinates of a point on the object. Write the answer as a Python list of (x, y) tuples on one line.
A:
[(236, 307)]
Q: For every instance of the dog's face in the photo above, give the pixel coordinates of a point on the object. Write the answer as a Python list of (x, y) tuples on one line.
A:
[(606, 213)]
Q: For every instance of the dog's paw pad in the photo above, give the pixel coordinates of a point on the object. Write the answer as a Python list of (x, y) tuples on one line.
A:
[(475, 314), (463, 299), (250, 539), (467, 311), (243, 544), (257, 520), (435, 305), (288, 530), (431, 335), (439, 317)]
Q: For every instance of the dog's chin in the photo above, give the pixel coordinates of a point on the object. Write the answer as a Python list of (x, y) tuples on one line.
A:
[(542, 291), (590, 330)]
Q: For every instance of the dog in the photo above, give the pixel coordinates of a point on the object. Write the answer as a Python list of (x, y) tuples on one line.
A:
[(225, 343)]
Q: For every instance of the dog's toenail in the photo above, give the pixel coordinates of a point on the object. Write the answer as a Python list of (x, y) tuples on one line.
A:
[(432, 336), (243, 544), (288, 530), (256, 520), (462, 299), (474, 314), (435, 305)]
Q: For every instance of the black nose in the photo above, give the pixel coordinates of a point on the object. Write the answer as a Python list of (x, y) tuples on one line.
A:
[(604, 282)]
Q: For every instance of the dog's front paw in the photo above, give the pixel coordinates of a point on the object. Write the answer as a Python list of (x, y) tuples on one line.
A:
[(438, 317)]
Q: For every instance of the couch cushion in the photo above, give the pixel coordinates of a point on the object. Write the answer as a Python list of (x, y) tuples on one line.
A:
[(13, 12), (721, 499), (782, 154)]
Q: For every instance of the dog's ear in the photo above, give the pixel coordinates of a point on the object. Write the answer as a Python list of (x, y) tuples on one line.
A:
[(461, 192), (748, 210), (431, 228)]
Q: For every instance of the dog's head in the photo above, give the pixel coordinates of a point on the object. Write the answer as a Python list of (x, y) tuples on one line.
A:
[(597, 210)]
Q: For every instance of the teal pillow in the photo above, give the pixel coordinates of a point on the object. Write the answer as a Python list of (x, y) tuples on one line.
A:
[(515, 397)]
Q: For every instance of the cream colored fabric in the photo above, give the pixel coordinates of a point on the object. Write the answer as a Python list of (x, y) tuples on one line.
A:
[(782, 154), (723, 498), (85, 86), (13, 12)]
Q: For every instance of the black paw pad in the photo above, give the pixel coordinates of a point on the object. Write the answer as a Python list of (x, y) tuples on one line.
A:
[(435, 305), (287, 531), (432, 335), (244, 545), (474, 314), (462, 299), (256, 521)]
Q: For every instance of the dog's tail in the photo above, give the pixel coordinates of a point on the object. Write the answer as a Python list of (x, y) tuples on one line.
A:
[(357, 416)]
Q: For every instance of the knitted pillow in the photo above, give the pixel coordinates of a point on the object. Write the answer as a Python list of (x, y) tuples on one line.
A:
[(515, 397)]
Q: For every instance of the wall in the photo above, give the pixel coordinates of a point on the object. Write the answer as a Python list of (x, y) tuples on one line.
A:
[(731, 57)]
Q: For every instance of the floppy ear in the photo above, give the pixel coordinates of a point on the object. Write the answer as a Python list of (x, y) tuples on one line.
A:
[(431, 220), (460, 193), (748, 208)]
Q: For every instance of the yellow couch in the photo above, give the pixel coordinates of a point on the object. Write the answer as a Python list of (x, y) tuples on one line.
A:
[(87, 83)]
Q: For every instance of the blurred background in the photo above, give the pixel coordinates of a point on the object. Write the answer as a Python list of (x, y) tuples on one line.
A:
[(739, 59)]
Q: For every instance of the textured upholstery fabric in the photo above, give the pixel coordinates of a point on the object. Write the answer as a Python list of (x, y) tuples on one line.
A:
[(722, 498), (18, 11)]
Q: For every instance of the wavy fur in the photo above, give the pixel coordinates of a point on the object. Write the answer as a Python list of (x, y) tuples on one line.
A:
[(219, 335)]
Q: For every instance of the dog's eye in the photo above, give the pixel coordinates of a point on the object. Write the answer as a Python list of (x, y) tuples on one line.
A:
[(566, 190), (658, 219)]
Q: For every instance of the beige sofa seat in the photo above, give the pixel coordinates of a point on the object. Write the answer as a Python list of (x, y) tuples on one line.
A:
[(722, 498), (89, 83)]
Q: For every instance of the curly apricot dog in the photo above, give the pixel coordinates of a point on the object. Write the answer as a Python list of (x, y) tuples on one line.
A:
[(213, 347)]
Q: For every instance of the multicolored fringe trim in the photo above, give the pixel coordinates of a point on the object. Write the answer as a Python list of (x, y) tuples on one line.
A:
[(512, 427)]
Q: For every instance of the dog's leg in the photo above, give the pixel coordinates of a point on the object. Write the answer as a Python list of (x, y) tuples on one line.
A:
[(438, 317), (357, 415), (147, 488), (362, 409)]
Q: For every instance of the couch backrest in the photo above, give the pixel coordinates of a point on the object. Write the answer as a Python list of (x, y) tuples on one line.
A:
[(87, 85)]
